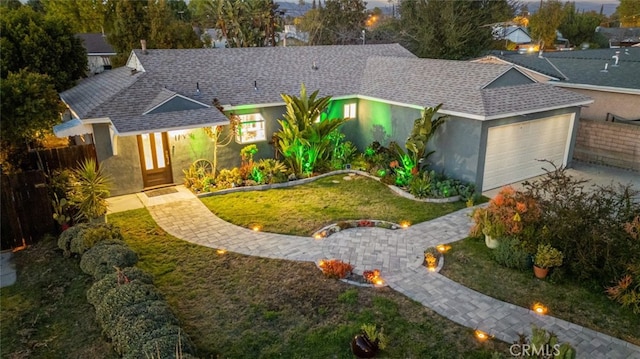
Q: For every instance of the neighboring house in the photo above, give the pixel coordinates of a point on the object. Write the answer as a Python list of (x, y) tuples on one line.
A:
[(515, 34), (213, 38), (292, 33), (147, 118), (609, 76), (99, 52), (620, 36)]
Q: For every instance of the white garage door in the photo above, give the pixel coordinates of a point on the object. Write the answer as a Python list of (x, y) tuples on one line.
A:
[(513, 150)]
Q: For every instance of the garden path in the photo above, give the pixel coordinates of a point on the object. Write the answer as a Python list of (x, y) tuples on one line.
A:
[(398, 254)]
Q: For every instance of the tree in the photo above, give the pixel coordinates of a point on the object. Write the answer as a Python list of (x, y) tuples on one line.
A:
[(40, 44), (544, 23), (629, 13), (450, 29), (84, 16), (578, 27), (30, 107), (342, 22)]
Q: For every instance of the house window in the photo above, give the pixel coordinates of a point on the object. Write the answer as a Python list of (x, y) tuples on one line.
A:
[(350, 110), (250, 128)]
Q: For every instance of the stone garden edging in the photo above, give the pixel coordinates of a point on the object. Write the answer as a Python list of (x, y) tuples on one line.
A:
[(264, 187)]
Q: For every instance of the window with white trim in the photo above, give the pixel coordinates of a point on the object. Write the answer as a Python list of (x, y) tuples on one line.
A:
[(350, 110), (250, 128)]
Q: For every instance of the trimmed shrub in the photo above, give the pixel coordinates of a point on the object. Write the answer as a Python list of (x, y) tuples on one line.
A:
[(511, 253), (167, 342), (117, 299), (103, 258), (94, 234), (99, 289), (65, 239), (136, 322)]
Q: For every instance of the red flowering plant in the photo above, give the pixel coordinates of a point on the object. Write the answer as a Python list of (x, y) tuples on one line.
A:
[(509, 213)]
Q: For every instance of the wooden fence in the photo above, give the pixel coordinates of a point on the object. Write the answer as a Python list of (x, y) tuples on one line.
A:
[(27, 213), (64, 157)]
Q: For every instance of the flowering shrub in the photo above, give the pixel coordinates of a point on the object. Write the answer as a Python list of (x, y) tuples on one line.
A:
[(335, 268), (371, 275), (510, 213)]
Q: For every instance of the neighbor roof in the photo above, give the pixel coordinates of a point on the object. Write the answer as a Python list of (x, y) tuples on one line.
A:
[(96, 44), (258, 76), (583, 67)]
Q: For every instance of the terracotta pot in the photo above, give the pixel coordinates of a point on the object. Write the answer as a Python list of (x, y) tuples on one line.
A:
[(362, 347), (540, 272), (491, 242)]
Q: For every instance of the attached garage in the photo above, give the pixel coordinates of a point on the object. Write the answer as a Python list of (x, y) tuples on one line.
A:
[(513, 151)]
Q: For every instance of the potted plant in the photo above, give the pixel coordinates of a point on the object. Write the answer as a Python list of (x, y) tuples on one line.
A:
[(486, 225), (90, 191), (546, 257), (367, 344)]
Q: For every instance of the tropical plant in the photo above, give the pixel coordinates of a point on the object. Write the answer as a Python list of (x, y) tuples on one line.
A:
[(627, 289), (420, 186), (90, 191), (271, 170), (60, 210), (423, 130), (304, 137), (547, 256), (541, 344)]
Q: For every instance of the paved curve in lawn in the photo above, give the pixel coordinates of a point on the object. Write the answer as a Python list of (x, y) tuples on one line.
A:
[(398, 254)]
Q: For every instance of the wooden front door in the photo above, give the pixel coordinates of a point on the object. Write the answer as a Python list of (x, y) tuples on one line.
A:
[(155, 159)]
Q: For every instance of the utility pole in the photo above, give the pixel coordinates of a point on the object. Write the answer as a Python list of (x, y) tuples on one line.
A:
[(363, 36)]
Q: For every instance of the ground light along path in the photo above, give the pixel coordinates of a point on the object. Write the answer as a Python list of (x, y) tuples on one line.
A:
[(398, 254)]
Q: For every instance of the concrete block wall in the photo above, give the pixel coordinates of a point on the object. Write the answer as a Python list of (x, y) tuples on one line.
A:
[(608, 143)]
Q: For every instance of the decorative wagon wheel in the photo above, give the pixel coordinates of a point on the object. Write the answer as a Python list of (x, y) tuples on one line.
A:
[(203, 168)]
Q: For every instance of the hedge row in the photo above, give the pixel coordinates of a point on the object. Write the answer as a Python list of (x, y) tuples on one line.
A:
[(129, 308)]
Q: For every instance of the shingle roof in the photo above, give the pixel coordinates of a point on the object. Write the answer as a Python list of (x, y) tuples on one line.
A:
[(583, 66), (96, 44), (510, 99), (428, 82), (254, 76)]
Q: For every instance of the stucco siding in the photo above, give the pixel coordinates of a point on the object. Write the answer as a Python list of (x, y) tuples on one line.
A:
[(457, 144), (619, 104), (124, 168), (382, 122)]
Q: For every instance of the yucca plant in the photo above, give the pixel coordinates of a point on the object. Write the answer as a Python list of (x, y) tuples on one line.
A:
[(90, 191)]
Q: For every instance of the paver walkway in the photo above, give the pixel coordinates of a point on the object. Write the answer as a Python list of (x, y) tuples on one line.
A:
[(398, 254)]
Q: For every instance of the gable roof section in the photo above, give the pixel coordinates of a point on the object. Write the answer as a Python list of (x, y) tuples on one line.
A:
[(522, 99)]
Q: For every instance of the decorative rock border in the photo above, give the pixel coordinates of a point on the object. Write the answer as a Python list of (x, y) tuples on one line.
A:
[(326, 231), (358, 284), (264, 187)]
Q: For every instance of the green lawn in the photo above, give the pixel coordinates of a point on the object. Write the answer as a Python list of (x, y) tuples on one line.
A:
[(238, 306), (46, 314), (304, 209), (469, 263)]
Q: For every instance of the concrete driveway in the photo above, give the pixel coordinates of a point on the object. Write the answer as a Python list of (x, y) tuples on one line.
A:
[(595, 174)]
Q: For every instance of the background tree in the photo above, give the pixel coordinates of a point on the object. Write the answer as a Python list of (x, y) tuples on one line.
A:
[(30, 108), (629, 13), (40, 44), (84, 16), (544, 23), (450, 29), (578, 27), (342, 22)]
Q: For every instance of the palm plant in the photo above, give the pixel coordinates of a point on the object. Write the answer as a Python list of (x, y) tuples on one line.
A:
[(304, 138), (90, 191)]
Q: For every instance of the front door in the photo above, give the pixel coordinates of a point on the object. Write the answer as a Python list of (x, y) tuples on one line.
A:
[(154, 158)]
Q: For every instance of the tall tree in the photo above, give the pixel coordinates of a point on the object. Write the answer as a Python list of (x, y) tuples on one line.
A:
[(629, 13), (246, 23), (450, 29), (544, 23), (84, 16), (41, 44), (579, 27), (343, 22)]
